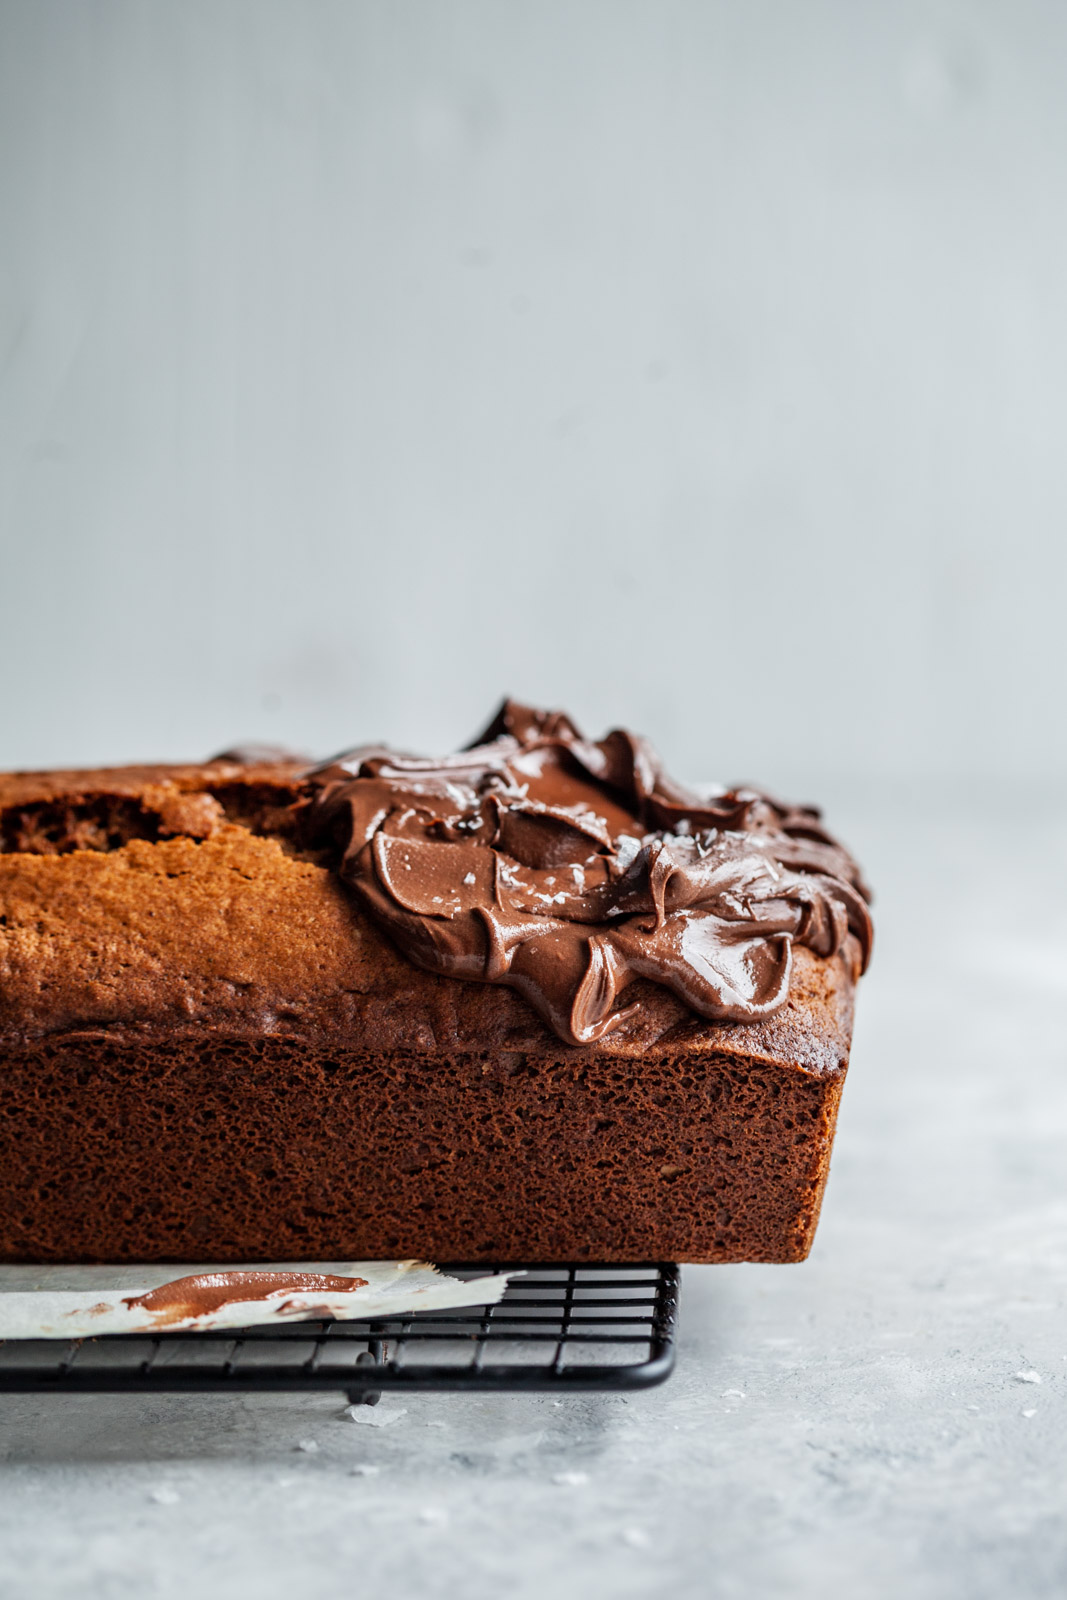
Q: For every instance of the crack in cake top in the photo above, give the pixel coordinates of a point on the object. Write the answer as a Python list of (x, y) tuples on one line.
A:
[(566, 868)]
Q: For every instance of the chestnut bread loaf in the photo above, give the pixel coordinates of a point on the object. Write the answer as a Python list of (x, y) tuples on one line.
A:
[(212, 1047)]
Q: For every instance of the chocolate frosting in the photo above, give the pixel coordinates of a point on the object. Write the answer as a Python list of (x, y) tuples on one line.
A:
[(203, 1292), (567, 868)]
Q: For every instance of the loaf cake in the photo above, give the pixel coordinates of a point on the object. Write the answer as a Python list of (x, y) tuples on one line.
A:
[(534, 1001)]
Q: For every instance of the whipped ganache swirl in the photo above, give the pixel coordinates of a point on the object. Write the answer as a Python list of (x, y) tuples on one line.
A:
[(567, 868)]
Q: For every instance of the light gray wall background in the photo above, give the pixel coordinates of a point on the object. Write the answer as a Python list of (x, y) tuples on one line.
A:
[(699, 365)]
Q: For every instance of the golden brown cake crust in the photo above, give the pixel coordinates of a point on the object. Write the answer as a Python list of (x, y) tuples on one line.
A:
[(184, 987), (76, 785), (234, 932)]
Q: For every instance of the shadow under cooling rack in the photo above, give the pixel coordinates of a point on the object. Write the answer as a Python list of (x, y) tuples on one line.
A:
[(556, 1328)]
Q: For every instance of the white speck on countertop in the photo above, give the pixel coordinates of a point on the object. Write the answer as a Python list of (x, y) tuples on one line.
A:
[(364, 1469), (1028, 1377), (733, 1394), (376, 1416), (1031, 1411), (570, 1480), (164, 1495), (308, 1446), (636, 1538)]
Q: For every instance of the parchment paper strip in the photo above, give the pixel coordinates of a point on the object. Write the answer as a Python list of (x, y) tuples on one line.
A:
[(80, 1302)]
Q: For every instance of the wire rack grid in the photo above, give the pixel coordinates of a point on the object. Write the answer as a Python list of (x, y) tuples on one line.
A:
[(569, 1327)]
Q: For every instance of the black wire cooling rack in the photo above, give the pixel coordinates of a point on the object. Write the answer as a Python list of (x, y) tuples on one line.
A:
[(556, 1328)]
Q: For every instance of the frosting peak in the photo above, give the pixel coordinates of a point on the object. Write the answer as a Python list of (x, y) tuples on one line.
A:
[(566, 868)]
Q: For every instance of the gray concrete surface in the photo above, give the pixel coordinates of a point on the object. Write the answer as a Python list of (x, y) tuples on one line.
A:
[(886, 1443)]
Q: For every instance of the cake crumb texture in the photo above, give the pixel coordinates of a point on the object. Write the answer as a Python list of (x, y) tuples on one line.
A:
[(239, 1151)]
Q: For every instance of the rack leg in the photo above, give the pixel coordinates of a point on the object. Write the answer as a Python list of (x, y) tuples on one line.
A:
[(367, 1358)]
